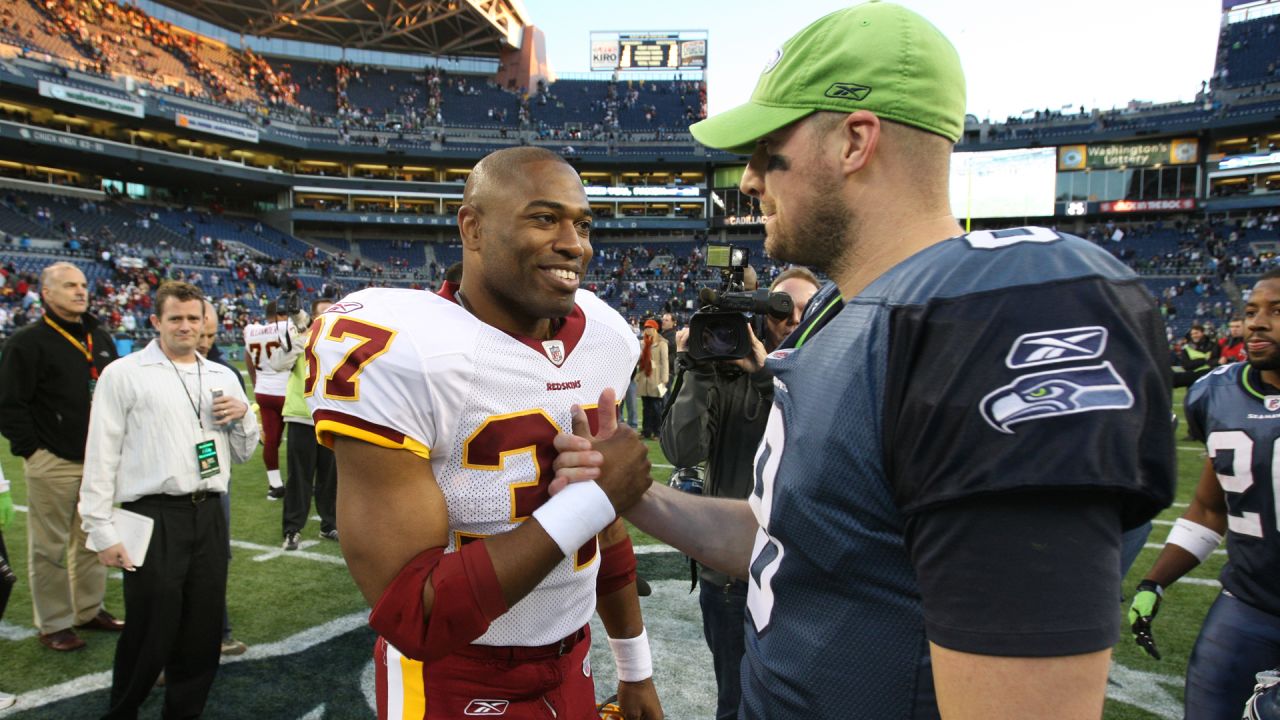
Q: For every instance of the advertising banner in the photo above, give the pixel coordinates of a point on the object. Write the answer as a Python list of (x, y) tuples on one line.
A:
[(1128, 206), (1181, 151), (216, 127), (89, 98)]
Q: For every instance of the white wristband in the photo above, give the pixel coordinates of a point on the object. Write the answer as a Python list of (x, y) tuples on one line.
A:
[(631, 656), (575, 515), (1194, 538)]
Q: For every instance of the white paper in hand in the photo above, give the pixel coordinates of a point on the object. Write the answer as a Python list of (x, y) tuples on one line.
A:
[(135, 532)]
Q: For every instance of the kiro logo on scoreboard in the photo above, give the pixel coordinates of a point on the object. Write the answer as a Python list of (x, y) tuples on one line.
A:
[(649, 50), (604, 55)]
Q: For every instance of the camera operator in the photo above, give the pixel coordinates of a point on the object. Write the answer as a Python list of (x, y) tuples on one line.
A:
[(717, 414)]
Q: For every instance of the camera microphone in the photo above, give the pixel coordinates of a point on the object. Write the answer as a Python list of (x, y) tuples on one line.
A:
[(708, 296)]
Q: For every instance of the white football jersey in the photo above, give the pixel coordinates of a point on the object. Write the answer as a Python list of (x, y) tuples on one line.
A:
[(261, 342), (414, 370)]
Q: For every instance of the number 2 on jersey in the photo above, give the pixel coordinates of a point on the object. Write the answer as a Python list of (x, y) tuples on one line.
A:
[(1240, 479), (532, 432)]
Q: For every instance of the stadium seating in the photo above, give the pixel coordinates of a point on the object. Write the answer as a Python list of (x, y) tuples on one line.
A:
[(1249, 52)]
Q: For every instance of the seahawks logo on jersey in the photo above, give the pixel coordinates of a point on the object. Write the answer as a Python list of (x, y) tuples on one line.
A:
[(1055, 393)]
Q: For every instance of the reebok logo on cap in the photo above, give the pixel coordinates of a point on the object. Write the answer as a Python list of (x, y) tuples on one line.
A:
[(848, 91)]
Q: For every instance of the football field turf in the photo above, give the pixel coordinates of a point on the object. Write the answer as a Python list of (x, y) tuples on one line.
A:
[(309, 655)]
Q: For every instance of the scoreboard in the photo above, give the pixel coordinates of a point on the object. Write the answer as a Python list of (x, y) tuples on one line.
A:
[(676, 50)]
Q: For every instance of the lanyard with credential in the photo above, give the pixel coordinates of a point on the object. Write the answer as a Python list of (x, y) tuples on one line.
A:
[(85, 348), (195, 404)]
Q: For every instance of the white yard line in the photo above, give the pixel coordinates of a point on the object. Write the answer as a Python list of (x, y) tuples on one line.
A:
[(102, 680), (15, 632), (271, 552), (1152, 692)]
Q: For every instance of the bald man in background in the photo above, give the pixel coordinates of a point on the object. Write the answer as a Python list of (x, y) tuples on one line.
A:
[(48, 373), (207, 346)]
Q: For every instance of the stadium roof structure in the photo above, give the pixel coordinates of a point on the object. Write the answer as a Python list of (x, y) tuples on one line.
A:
[(478, 28)]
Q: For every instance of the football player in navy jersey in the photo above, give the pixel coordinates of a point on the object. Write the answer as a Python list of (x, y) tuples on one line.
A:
[(962, 427), (1235, 411)]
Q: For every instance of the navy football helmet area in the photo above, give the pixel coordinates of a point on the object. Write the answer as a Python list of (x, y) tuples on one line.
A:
[(688, 479), (1265, 703)]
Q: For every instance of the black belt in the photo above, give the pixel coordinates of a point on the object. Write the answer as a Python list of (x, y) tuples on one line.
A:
[(194, 498)]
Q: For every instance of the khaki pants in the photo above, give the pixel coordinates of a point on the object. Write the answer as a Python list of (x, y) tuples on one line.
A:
[(67, 581)]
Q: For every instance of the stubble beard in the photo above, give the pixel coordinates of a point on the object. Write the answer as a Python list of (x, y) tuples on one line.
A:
[(819, 240), (1270, 362)]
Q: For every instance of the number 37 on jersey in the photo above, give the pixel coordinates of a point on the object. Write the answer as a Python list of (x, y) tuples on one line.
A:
[(487, 448)]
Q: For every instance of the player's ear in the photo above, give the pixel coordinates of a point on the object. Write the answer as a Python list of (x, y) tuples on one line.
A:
[(857, 136), (469, 226)]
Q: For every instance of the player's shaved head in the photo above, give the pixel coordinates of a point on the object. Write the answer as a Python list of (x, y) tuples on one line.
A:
[(525, 226), (496, 171)]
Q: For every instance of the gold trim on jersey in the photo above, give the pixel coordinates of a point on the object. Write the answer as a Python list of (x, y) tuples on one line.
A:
[(460, 536), (374, 435)]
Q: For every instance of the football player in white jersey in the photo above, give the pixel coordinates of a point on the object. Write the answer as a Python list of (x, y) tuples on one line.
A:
[(442, 410), (262, 341)]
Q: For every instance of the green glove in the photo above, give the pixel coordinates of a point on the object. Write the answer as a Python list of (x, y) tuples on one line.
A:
[(6, 509), (1146, 604)]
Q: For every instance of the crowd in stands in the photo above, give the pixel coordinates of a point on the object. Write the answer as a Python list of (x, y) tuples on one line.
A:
[(113, 39), (1192, 267), (118, 39), (1249, 52), (1220, 249)]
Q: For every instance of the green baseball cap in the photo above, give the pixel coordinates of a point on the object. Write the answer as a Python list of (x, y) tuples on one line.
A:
[(875, 56)]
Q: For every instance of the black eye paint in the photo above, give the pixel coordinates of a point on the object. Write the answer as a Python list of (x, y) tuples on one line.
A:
[(776, 162)]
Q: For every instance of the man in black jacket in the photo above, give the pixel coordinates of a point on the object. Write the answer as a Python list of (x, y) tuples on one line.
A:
[(1199, 355), (47, 375), (718, 415)]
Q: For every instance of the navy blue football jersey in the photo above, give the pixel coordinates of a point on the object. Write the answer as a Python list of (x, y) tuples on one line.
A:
[(1231, 412), (992, 363)]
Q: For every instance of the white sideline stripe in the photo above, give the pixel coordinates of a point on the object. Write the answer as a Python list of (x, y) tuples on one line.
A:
[(288, 646), (15, 632), (269, 552), (1188, 448), (1160, 546), (1207, 582), (668, 467), (20, 508), (1163, 522), (655, 548), (1145, 690)]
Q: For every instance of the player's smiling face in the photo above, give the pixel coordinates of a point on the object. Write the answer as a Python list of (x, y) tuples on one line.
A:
[(1262, 326), (536, 246)]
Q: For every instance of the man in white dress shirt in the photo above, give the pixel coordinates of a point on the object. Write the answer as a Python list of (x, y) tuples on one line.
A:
[(165, 428)]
